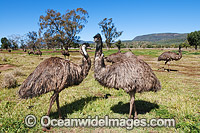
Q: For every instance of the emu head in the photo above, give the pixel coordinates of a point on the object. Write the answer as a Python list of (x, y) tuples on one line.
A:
[(83, 51), (97, 38)]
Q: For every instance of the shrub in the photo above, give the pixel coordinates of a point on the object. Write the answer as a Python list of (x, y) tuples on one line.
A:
[(9, 81), (17, 72), (4, 59)]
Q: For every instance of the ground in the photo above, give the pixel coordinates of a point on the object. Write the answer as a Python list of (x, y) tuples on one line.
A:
[(178, 98)]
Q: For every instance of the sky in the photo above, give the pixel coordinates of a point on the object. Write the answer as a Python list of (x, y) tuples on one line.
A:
[(133, 17)]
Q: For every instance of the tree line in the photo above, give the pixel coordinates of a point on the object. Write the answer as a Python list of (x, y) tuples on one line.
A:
[(61, 31)]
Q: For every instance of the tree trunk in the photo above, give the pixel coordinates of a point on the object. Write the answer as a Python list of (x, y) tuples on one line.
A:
[(108, 46), (195, 47)]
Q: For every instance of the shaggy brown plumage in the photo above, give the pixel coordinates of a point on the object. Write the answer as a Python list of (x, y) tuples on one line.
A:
[(31, 52), (38, 52), (170, 56), (65, 53), (132, 75), (55, 74), (117, 57)]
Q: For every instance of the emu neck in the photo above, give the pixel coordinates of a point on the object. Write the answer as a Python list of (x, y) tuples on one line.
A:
[(99, 59), (86, 64), (98, 51)]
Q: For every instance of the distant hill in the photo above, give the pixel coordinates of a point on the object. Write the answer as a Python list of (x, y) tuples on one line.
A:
[(159, 37), (81, 41)]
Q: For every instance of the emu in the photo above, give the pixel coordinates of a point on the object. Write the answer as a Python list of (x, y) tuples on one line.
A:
[(55, 74), (65, 53), (117, 57), (170, 56), (38, 52), (31, 52), (132, 75)]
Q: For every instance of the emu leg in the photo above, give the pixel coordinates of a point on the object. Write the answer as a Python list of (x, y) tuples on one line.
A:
[(52, 100), (58, 107), (166, 62), (168, 67), (132, 105)]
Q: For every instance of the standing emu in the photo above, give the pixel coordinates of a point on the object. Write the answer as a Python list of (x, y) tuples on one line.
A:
[(132, 75), (65, 53), (38, 52), (31, 52), (55, 74), (170, 56)]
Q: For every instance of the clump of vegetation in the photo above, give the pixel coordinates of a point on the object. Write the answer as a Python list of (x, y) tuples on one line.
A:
[(9, 81), (18, 72), (4, 59)]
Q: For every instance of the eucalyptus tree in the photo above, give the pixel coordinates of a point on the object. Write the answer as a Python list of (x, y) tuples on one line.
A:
[(63, 28), (109, 31)]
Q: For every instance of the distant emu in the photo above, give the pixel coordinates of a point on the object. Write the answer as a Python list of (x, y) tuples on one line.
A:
[(131, 74), (117, 57), (65, 53), (170, 56), (38, 52), (31, 52), (55, 74)]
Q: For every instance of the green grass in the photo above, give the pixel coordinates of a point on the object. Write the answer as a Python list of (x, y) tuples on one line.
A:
[(178, 99)]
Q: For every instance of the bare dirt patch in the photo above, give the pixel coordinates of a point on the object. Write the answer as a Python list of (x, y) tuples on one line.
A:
[(6, 67)]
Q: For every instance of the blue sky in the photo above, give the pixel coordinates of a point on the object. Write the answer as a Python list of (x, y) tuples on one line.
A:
[(133, 17)]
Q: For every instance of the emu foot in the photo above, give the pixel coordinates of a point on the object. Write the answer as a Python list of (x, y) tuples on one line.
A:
[(135, 117), (46, 129)]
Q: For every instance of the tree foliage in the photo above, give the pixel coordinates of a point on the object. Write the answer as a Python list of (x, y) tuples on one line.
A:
[(32, 39), (118, 44), (5, 43), (62, 28), (109, 30), (194, 38), (14, 41)]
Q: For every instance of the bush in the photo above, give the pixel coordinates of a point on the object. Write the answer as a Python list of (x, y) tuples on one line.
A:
[(4, 59), (17, 72), (9, 81)]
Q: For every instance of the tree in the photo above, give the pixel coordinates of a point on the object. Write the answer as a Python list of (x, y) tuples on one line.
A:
[(118, 44), (75, 45), (63, 28), (32, 39), (185, 44), (5, 43), (22, 44), (109, 30), (194, 39)]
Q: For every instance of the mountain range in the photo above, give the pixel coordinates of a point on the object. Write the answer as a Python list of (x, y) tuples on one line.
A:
[(157, 38), (161, 37)]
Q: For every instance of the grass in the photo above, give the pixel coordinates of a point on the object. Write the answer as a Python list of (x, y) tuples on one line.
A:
[(178, 99)]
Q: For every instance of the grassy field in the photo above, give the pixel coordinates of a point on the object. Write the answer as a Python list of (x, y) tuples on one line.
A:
[(179, 97)]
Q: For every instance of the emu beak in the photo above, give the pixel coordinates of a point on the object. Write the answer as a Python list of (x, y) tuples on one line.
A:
[(95, 39)]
